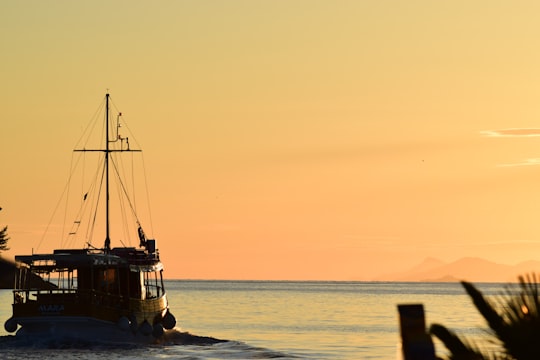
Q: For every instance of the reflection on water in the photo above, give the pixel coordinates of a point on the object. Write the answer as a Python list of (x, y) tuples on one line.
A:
[(314, 320)]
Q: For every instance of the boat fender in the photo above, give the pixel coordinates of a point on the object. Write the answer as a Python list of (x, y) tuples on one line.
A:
[(123, 323), (146, 328), (169, 321), (10, 325), (158, 330)]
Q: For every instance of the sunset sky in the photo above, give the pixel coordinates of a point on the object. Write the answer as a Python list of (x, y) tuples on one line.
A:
[(331, 140)]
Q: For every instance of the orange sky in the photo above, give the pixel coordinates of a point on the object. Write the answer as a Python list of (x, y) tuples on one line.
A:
[(287, 139)]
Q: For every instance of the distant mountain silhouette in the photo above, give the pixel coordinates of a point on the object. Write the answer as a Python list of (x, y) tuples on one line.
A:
[(427, 265), (467, 268)]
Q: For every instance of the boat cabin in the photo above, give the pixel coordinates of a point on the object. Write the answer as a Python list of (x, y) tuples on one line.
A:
[(119, 279)]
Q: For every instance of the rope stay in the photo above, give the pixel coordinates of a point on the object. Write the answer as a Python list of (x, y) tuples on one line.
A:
[(86, 199)]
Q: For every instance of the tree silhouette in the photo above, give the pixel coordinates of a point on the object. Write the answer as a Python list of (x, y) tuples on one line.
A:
[(4, 238)]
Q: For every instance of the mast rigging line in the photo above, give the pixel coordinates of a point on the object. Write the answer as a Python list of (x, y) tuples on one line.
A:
[(125, 124), (88, 208), (90, 126), (91, 224), (65, 193), (96, 196), (86, 203), (119, 179)]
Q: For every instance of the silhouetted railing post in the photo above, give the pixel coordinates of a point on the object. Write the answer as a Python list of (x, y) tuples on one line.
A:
[(416, 344)]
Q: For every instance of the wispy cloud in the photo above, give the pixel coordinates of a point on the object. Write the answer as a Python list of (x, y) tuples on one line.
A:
[(511, 132), (515, 133), (526, 162)]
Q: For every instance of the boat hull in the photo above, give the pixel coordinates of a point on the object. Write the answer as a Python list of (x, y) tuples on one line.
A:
[(80, 328), (94, 317)]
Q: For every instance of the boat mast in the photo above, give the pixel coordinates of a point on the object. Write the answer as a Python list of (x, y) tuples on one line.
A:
[(107, 231), (108, 150)]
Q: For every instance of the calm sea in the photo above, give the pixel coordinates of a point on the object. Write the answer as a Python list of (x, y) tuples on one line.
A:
[(280, 319)]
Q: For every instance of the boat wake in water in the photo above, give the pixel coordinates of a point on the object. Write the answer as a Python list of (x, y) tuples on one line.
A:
[(175, 344), (177, 337), (170, 337)]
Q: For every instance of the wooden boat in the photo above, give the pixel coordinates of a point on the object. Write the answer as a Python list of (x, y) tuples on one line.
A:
[(98, 293)]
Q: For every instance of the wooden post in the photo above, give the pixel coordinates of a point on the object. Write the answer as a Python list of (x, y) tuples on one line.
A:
[(416, 343)]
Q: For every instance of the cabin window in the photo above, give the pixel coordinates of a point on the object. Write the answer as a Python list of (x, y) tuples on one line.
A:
[(136, 285), (153, 284), (109, 275), (149, 284), (123, 275), (146, 285), (106, 280), (161, 282), (84, 279), (63, 279)]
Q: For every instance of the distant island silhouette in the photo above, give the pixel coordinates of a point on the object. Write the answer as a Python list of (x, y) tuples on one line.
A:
[(430, 270), (467, 268)]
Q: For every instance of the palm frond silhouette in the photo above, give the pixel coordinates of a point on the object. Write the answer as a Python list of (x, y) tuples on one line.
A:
[(513, 319)]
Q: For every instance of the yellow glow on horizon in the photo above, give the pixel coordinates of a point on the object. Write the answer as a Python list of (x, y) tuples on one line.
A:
[(288, 140)]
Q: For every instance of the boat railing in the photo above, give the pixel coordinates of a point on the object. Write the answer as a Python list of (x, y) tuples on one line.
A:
[(136, 255), (144, 258), (154, 291), (80, 296), (25, 295)]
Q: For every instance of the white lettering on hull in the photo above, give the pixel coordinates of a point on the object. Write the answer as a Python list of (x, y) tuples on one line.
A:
[(51, 309)]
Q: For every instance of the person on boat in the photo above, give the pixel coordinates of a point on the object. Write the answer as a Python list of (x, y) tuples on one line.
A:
[(142, 237)]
